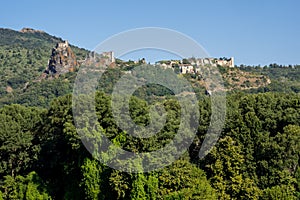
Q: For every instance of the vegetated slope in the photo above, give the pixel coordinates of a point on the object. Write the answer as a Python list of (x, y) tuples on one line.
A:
[(234, 78), (24, 56), (283, 78)]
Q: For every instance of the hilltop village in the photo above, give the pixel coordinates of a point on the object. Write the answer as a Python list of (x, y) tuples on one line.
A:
[(193, 65), (63, 60)]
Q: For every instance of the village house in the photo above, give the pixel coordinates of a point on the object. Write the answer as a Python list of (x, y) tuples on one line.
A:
[(186, 68), (225, 62)]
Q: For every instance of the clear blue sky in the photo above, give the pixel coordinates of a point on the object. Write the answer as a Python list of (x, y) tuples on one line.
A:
[(254, 32)]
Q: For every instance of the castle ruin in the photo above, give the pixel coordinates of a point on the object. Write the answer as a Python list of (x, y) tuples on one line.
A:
[(62, 60)]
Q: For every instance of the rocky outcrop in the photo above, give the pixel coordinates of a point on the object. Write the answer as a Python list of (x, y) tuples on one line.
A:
[(62, 60), (30, 30)]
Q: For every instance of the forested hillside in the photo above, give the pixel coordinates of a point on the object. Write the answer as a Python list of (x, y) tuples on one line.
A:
[(283, 78), (24, 56), (42, 155)]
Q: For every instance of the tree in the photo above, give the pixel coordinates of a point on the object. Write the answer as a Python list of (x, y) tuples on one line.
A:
[(184, 180), (62, 152), (226, 171), (91, 181), (279, 192), (185, 61), (18, 139), (138, 187), (30, 187)]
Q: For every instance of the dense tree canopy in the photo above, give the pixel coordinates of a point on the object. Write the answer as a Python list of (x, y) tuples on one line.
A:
[(257, 156)]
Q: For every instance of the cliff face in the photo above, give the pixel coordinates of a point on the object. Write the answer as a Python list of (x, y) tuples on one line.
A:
[(62, 60)]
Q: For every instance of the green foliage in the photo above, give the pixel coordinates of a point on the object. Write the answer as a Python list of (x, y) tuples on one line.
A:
[(138, 187), (256, 157), (30, 187), (120, 184), (279, 192), (183, 180), (91, 181), (283, 78), (258, 148), (152, 186), (18, 137), (62, 153), (185, 61), (39, 93), (24, 56), (227, 173)]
